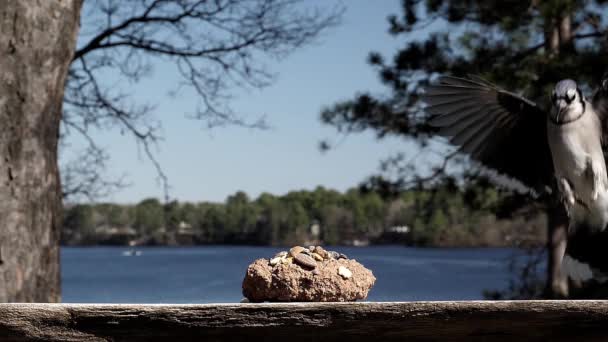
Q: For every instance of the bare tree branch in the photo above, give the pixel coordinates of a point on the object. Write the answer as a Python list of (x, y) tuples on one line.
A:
[(216, 46)]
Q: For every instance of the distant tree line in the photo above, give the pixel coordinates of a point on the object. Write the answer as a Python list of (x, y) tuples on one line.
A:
[(444, 215)]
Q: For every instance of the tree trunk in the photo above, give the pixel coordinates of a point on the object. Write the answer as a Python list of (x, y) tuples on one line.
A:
[(565, 32), (557, 283), (37, 40), (558, 38), (558, 34), (551, 40)]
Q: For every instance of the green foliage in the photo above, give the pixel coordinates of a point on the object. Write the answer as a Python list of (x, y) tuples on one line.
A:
[(149, 216), (445, 215), (79, 224)]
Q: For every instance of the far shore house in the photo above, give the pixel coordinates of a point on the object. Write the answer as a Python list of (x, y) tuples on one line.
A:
[(185, 234), (116, 235)]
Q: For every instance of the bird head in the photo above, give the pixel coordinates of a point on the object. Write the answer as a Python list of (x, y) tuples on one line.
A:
[(567, 102)]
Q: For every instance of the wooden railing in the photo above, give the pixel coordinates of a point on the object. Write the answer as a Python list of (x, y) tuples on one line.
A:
[(443, 321)]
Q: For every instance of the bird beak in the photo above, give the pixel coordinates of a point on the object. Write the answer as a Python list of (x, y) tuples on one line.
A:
[(561, 106), (559, 113)]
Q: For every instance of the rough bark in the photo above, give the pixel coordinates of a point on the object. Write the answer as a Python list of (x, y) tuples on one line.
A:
[(426, 321), (37, 40)]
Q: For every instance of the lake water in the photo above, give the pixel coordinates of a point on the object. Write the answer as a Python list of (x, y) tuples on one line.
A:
[(213, 274)]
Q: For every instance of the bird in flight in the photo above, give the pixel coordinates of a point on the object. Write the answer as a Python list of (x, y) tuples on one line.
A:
[(517, 138)]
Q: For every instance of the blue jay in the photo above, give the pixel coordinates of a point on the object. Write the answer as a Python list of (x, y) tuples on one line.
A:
[(538, 148)]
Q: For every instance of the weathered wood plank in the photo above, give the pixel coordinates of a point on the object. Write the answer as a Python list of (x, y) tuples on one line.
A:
[(447, 321)]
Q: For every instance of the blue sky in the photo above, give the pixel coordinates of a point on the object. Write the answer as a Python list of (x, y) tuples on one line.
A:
[(208, 165)]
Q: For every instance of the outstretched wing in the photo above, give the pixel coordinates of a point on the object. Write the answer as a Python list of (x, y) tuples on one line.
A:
[(600, 106), (503, 131)]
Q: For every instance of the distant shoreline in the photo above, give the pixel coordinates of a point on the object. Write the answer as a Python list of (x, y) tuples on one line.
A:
[(285, 246), (437, 217)]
